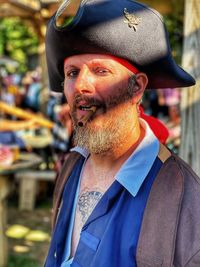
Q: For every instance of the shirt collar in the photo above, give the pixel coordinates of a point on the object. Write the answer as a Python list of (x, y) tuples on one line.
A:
[(81, 151), (134, 170)]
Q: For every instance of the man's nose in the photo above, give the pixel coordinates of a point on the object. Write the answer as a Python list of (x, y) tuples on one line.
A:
[(85, 81)]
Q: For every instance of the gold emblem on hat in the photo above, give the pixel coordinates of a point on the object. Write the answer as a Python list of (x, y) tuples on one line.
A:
[(131, 20)]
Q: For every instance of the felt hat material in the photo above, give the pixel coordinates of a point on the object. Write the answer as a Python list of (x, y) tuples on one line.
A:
[(122, 28)]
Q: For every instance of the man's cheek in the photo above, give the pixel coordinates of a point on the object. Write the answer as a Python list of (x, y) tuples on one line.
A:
[(69, 100), (68, 91)]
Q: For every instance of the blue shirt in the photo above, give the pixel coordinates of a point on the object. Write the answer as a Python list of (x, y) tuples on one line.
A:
[(131, 176)]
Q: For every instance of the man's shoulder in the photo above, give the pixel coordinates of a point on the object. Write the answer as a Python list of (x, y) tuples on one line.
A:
[(177, 164), (175, 172)]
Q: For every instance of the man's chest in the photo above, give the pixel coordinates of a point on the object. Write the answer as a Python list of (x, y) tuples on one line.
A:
[(90, 193)]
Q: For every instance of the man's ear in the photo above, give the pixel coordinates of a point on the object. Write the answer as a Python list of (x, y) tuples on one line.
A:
[(141, 81)]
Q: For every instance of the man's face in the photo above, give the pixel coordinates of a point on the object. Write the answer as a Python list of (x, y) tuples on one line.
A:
[(98, 81)]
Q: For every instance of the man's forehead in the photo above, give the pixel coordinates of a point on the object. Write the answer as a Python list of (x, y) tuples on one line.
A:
[(99, 59), (87, 57)]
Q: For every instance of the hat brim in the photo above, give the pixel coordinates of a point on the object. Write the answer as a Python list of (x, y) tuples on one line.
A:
[(100, 28)]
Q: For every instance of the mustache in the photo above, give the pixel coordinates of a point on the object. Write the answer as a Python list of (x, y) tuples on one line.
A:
[(91, 101), (109, 102)]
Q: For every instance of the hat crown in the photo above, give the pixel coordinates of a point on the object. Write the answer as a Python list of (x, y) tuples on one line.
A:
[(122, 28)]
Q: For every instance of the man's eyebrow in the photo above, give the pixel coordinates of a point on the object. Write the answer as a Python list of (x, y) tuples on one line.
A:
[(70, 66), (102, 62)]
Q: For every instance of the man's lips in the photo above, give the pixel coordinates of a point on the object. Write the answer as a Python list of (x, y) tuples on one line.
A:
[(88, 108), (83, 110), (83, 106)]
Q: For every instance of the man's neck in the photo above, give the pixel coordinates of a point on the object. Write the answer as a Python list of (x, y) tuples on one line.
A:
[(114, 158)]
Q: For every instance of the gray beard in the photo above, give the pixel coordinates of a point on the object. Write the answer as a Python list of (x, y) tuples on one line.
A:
[(106, 138), (114, 127)]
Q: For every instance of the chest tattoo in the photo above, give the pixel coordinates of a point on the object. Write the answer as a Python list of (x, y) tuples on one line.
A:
[(87, 202)]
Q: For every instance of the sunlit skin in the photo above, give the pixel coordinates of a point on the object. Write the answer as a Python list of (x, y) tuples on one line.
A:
[(98, 76)]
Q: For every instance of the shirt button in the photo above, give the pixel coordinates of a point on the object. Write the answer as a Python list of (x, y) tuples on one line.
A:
[(55, 254)]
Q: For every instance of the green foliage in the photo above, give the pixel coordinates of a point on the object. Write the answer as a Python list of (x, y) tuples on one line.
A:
[(174, 23), (17, 40), (175, 27)]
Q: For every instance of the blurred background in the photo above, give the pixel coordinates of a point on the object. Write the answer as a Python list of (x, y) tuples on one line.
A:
[(34, 135)]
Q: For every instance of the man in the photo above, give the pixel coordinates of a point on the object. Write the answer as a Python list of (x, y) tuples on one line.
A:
[(122, 198)]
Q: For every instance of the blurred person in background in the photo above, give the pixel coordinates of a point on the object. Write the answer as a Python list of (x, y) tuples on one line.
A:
[(170, 97)]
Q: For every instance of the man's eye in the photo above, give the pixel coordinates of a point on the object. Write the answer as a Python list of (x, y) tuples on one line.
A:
[(101, 71), (72, 73)]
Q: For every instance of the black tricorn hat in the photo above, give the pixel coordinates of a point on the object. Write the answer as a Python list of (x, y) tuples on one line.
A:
[(123, 28)]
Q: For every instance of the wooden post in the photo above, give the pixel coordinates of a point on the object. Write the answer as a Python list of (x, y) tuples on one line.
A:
[(4, 190), (27, 193), (190, 98)]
